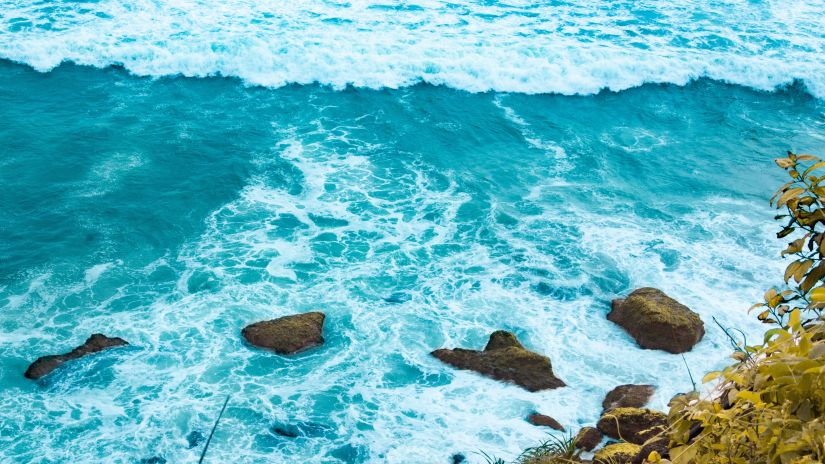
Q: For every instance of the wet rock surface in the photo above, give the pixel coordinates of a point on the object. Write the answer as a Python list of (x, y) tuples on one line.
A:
[(588, 438), (634, 425), (288, 334), (505, 359), (628, 396), (657, 321), (542, 420), (46, 364)]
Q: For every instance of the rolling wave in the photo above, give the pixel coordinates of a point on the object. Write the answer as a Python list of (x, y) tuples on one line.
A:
[(567, 47)]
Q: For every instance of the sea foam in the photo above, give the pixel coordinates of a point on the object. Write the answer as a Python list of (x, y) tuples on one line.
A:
[(567, 47)]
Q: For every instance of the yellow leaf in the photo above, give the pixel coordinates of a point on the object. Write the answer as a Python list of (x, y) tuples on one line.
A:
[(814, 167), (784, 163), (794, 321), (802, 270), (817, 295), (790, 193), (791, 269), (710, 376), (749, 396), (654, 457)]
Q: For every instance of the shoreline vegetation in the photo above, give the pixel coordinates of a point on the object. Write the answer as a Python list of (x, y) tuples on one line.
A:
[(768, 406)]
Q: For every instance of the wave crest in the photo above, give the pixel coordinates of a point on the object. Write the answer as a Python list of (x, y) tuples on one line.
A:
[(569, 47)]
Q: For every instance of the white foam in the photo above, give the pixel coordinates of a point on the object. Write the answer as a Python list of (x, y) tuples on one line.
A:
[(464, 277), (570, 48)]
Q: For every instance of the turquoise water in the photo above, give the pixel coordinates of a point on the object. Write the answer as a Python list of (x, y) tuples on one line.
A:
[(424, 173), (172, 212)]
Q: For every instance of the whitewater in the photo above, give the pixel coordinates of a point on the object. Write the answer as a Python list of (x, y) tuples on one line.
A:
[(568, 47), (425, 173)]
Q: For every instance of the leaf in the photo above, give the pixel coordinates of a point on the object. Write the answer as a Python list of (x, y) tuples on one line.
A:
[(710, 376), (683, 454), (813, 277), (802, 270), (790, 270), (813, 167), (751, 397), (817, 295), (654, 457), (794, 320), (784, 163), (785, 232), (790, 193)]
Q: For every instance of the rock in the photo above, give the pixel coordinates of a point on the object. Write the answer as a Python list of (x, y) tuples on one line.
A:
[(95, 343), (504, 358), (628, 396), (458, 458), (634, 425), (288, 334), (658, 444), (544, 421), (617, 453), (153, 460), (657, 321), (588, 438), (194, 438)]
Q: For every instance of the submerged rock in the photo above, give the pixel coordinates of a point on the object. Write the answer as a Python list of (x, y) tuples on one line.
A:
[(194, 438), (504, 358), (544, 421), (153, 460), (634, 425), (628, 396), (657, 321), (617, 453), (588, 438), (46, 364), (288, 334)]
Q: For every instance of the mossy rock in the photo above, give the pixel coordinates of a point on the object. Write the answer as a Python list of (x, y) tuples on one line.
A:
[(504, 358), (634, 425), (617, 453), (288, 334), (657, 321)]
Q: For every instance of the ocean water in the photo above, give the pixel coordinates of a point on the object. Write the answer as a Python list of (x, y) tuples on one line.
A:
[(421, 172)]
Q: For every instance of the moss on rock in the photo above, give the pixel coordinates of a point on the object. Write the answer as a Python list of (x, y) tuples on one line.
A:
[(288, 334), (634, 425), (617, 453), (504, 358), (657, 321)]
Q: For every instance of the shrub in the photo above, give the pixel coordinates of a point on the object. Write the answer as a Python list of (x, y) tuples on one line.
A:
[(769, 407)]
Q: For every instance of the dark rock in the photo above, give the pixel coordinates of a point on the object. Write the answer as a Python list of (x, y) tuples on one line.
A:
[(302, 429), (93, 344), (504, 359), (458, 458), (153, 460), (659, 444), (628, 396), (657, 321), (288, 334), (288, 432), (617, 453), (544, 421), (588, 438), (194, 438), (634, 425)]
